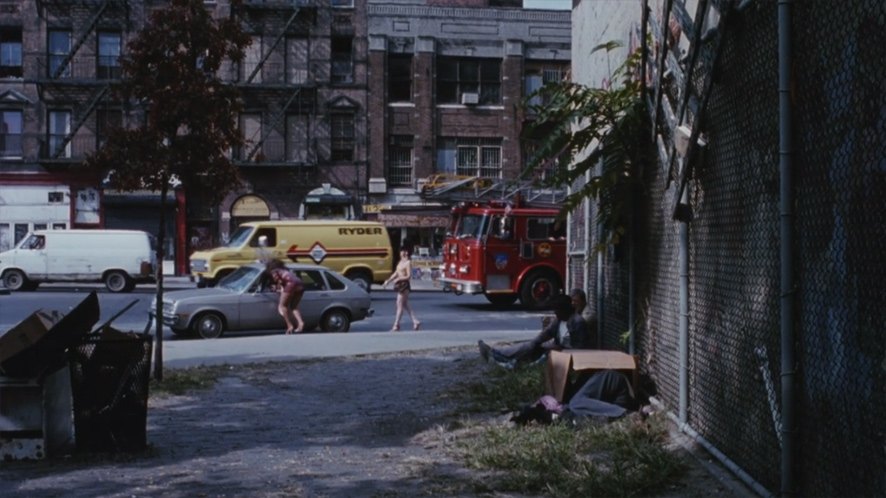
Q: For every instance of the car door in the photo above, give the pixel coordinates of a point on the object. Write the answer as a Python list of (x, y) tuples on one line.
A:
[(315, 298), (258, 308)]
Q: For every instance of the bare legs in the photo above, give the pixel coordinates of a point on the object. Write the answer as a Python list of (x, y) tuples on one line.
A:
[(403, 304), (287, 305)]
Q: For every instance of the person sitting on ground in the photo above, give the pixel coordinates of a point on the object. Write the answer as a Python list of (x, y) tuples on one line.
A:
[(567, 331)]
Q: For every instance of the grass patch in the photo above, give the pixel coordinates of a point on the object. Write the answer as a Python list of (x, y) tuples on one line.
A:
[(623, 458), (182, 380), (502, 390)]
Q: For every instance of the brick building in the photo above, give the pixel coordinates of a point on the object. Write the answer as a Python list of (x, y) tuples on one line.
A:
[(349, 104), (446, 84)]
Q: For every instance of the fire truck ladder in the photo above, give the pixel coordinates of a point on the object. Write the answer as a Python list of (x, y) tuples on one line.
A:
[(690, 108), (474, 190)]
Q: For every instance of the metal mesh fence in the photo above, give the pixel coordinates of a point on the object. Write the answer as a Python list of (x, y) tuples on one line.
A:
[(839, 189)]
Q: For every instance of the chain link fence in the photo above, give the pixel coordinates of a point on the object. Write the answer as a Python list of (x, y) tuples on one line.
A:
[(733, 367)]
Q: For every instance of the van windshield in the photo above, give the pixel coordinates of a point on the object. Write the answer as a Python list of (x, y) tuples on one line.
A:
[(240, 236)]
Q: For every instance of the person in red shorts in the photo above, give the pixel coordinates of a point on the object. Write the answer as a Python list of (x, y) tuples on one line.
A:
[(291, 290)]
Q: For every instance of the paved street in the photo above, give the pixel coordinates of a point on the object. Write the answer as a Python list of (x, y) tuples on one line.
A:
[(447, 321)]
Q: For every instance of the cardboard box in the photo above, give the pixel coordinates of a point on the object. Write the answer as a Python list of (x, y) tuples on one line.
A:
[(38, 345), (563, 364), (26, 334)]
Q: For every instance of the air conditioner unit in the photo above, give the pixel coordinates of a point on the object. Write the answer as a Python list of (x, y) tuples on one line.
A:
[(470, 98)]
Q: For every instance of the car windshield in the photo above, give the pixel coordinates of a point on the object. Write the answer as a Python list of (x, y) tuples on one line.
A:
[(470, 226), (240, 236), (240, 279)]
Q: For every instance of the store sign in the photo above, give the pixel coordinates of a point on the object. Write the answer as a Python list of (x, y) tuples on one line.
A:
[(250, 206)]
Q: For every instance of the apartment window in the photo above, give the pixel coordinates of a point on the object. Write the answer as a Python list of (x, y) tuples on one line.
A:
[(341, 60), (468, 81), (470, 157), (251, 61), (59, 128), (59, 47), (400, 78), (297, 61), (537, 78), (106, 120), (11, 53), (297, 143), (250, 125), (342, 137), (400, 160), (108, 56), (10, 134)]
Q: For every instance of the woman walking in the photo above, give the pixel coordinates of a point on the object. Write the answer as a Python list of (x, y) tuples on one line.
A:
[(291, 290), (400, 279)]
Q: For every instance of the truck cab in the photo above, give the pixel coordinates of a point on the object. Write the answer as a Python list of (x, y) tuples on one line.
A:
[(505, 253)]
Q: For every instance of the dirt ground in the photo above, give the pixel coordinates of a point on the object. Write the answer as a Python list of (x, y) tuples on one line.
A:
[(351, 427)]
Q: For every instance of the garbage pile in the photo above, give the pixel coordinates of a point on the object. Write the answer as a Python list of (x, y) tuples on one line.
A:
[(55, 368)]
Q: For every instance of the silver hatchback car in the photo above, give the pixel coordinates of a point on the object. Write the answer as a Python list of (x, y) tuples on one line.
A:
[(243, 301)]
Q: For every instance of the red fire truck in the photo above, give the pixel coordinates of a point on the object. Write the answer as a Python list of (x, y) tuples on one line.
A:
[(505, 252)]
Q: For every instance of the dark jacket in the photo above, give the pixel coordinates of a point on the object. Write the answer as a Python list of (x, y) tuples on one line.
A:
[(578, 334)]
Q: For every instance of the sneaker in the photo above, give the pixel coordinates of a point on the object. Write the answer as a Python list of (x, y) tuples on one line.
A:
[(485, 349)]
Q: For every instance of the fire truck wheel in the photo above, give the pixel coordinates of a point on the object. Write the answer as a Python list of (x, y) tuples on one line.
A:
[(501, 299), (538, 289)]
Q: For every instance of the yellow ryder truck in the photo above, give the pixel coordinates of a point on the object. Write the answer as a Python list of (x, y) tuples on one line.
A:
[(359, 250)]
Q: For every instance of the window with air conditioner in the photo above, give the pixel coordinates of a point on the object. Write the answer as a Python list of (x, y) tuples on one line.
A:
[(468, 81)]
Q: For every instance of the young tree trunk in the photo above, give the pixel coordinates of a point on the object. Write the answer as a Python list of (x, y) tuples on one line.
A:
[(158, 311)]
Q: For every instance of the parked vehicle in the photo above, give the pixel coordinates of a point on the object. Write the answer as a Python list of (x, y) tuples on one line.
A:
[(242, 300), (359, 250), (505, 252), (119, 258)]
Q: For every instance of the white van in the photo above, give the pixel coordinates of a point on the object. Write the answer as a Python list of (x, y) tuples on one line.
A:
[(119, 258)]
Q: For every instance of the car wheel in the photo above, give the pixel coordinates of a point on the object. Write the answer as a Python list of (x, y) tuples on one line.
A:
[(15, 280), (118, 281), (337, 320), (501, 299), (209, 325), (362, 279), (538, 289)]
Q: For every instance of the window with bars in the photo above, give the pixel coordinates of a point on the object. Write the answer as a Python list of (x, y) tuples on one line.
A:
[(400, 170), (464, 80), (108, 64), (400, 77), (342, 137), (536, 78), (10, 52), (10, 134), (470, 157)]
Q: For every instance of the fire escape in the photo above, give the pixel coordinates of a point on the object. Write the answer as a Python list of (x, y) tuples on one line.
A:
[(76, 81), (277, 76)]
